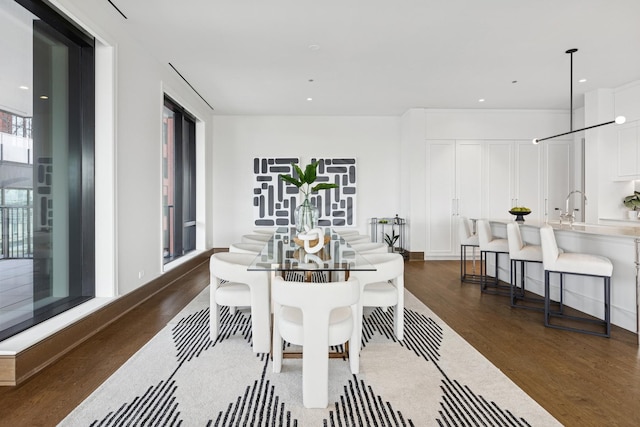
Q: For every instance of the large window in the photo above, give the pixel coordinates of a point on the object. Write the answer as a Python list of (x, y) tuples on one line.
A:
[(178, 181), (46, 165)]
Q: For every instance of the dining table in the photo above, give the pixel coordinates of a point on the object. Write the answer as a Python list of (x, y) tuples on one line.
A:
[(284, 254)]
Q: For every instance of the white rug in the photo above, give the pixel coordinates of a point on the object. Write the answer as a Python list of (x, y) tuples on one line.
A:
[(432, 377)]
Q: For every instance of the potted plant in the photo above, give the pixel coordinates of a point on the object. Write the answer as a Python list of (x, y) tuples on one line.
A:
[(306, 215), (391, 240), (633, 202)]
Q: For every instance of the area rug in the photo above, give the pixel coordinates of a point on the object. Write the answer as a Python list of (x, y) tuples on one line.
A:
[(430, 378)]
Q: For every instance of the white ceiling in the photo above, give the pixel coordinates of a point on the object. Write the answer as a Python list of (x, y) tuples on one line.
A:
[(383, 57)]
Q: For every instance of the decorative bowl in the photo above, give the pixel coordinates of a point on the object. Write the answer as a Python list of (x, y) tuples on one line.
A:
[(519, 215)]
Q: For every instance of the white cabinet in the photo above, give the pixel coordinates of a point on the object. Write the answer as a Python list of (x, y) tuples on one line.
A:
[(513, 177), (558, 181), (454, 188), (627, 165)]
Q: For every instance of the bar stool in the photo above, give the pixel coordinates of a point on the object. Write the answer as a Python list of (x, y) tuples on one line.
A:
[(468, 239), (490, 244), (521, 253), (578, 264)]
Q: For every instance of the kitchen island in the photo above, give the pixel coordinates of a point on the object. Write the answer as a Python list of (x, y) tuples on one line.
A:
[(618, 243)]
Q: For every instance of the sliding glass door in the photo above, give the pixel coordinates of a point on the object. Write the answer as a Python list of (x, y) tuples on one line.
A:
[(178, 181), (46, 165)]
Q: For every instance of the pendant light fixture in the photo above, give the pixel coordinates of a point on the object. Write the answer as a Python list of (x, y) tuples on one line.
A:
[(618, 120)]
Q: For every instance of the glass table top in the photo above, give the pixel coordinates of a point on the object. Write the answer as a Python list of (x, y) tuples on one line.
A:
[(282, 253)]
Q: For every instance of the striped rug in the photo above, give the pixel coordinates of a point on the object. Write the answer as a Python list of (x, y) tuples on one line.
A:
[(431, 378)]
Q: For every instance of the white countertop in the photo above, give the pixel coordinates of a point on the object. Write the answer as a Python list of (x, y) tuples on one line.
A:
[(581, 227)]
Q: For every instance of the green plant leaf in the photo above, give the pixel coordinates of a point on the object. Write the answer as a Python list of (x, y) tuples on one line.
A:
[(323, 186), (291, 180), (310, 173), (299, 173)]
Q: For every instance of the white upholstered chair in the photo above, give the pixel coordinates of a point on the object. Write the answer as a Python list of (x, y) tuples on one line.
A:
[(520, 254), (497, 246), (356, 238), (255, 238), (563, 263), (246, 248), (264, 230), (232, 285), (370, 247), (383, 288), (468, 239), (315, 316)]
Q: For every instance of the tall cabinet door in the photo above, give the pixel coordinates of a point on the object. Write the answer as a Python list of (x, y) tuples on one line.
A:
[(558, 177), (469, 179), (441, 198), (528, 178), (499, 187)]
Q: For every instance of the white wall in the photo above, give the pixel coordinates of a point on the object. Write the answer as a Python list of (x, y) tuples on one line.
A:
[(129, 113), (373, 141)]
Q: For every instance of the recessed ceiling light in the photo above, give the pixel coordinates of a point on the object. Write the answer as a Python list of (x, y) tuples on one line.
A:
[(310, 80), (309, 99), (514, 81), (23, 87), (582, 80), (481, 100)]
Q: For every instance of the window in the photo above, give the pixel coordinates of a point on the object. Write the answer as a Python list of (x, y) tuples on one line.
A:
[(46, 165), (178, 181)]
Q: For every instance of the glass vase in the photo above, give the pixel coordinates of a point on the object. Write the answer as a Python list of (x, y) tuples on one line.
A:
[(306, 216)]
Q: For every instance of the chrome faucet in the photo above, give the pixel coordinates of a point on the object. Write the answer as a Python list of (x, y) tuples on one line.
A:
[(570, 216)]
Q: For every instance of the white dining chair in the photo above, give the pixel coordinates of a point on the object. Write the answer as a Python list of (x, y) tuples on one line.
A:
[(370, 247), (233, 286), (264, 230), (383, 287), (315, 316), (255, 238), (246, 248), (356, 238)]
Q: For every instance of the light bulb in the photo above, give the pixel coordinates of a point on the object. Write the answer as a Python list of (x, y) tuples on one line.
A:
[(620, 120), (535, 141)]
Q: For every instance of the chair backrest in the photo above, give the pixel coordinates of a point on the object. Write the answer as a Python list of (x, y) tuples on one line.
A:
[(515, 238), (549, 246), (246, 248), (255, 238), (232, 267), (464, 229), (484, 232), (264, 230), (370, 247), (315, 297), (353, 238), (389, 266)]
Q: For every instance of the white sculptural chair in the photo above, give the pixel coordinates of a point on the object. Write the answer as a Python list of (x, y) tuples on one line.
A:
[(468, 239), (232, 285), (246, 248), (497, 246), (264, 230), (315, 316), (255, 238), (370, 247), (356, 238), (579, 264), (522, 253), (383, 288)]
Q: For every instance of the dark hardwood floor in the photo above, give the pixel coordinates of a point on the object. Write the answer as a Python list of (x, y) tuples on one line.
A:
[(582, 380)]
